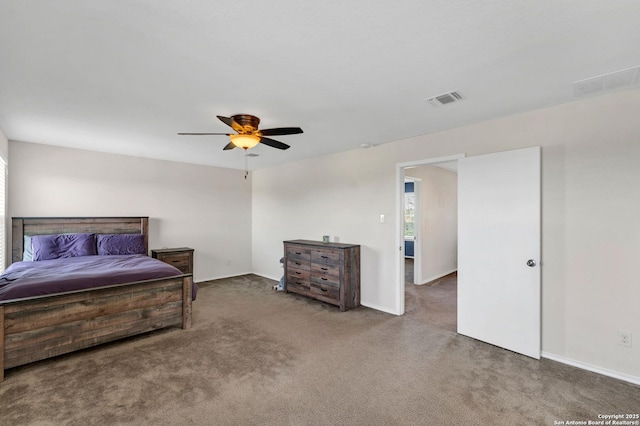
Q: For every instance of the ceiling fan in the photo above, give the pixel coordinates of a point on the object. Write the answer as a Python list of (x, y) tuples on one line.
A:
[(248, 135)]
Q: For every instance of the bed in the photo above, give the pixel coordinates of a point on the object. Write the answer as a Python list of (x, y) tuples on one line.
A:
[(37, 326)]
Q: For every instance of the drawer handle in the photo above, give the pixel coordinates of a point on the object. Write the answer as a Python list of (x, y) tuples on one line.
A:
[(324, 290), (298, 263), (324, 269), (324, 257), (298, 283), (298, 272), (175, 261), (298, 252), (323, 279)]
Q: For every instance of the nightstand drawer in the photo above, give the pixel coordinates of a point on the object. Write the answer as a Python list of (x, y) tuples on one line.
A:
[(176, 260), (181, 258)]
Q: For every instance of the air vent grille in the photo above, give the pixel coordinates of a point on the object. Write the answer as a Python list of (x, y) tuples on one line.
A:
[(615, 80), (445, 99)]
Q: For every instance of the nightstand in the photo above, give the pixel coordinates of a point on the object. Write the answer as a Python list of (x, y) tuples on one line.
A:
[(181, 258)]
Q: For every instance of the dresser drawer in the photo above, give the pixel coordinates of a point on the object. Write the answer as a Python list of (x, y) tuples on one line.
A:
[(298, 264), (299, 274), (321, 269), (326, 280), (298, 253), (326, 291), (325, 257), (297, 284)]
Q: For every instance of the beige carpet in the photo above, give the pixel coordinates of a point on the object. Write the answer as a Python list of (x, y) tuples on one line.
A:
[(257, 357), (434, 302)]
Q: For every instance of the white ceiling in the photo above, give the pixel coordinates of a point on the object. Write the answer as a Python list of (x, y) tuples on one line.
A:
[(125, 76)]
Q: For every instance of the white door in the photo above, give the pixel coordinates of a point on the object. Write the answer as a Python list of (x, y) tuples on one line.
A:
[(499, 249)]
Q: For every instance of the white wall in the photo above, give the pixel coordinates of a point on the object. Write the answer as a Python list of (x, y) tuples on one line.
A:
[(439, 222), (341, 196), (4, 146), (591, 206), (206, 208), (4, 226)]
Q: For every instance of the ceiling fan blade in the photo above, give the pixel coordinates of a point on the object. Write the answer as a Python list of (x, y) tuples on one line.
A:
[(274, 143), (231, 123), (230, 145), (202, 134), (281, 131)]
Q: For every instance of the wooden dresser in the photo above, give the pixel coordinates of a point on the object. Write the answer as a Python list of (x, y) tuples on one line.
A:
[(181, 258), (329, 272)]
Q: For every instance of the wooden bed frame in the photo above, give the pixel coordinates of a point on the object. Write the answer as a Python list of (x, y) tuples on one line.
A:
[(41, 327)]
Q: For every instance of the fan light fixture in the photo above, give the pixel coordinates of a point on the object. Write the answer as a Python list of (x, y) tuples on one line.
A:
[(249, 136), (244, 141)]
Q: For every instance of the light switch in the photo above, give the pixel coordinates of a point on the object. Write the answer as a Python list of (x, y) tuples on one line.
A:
[(381, 218)]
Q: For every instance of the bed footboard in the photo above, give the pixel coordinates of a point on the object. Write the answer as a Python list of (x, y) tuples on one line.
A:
[(43, 327)]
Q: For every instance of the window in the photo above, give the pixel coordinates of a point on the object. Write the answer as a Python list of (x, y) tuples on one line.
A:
[(409, 210)]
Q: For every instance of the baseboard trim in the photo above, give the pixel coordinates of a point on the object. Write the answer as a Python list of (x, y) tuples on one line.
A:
[(267, 277), (438, 276), (593, 368)]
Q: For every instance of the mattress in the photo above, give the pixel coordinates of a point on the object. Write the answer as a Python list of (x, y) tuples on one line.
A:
[(46, 277)]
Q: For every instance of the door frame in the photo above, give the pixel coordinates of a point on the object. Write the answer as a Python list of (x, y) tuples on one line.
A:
[(400, 288)]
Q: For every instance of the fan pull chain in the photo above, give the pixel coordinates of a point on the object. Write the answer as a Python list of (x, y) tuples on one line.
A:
[(246, 165)]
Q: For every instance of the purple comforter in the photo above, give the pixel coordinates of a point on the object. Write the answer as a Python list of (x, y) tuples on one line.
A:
[(28, 279)]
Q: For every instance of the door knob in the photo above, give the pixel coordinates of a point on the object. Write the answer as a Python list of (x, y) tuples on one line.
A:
[(531, 263)]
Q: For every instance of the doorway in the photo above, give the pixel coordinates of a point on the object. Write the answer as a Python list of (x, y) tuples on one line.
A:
[(499, 282), (400, 178), (430, 243)]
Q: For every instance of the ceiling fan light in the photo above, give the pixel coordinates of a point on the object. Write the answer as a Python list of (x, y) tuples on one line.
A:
[(245, 141)]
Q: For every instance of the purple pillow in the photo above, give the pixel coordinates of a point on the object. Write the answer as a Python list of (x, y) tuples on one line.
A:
[(58, 246), (116, 244)]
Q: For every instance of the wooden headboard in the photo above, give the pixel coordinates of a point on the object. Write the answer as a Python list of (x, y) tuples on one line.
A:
[(22, 226)]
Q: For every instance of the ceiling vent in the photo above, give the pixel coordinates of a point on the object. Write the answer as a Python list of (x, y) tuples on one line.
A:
[(445, 99), (602, 83)]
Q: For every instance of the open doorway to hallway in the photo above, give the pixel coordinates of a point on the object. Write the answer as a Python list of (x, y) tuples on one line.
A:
[(497, 253), (430, 243)]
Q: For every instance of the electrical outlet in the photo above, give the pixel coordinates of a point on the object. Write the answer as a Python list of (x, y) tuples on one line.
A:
[(624, 338)]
